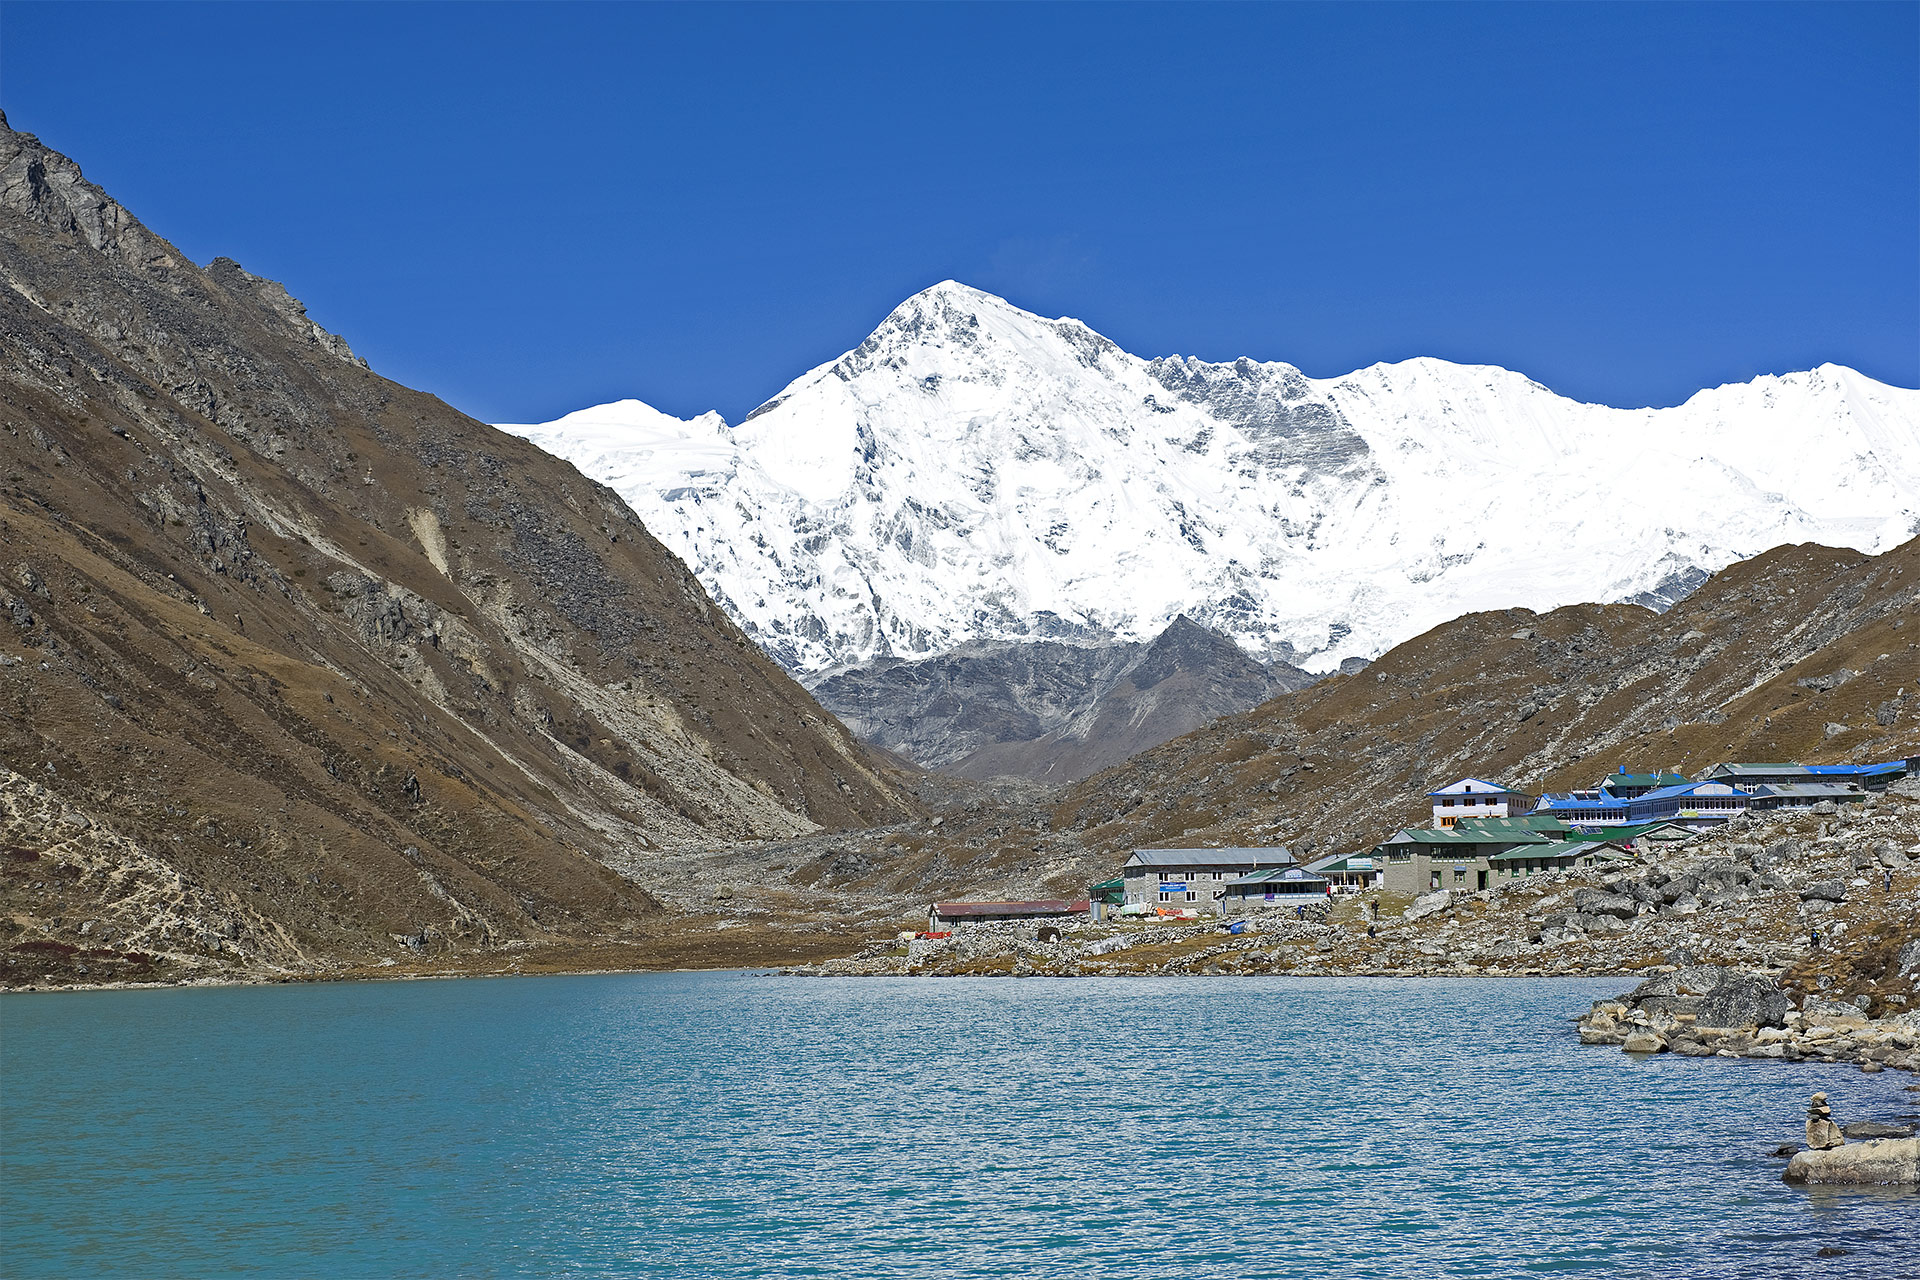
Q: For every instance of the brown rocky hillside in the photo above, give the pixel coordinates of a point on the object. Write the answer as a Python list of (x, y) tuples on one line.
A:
[(301, 667), (1803, 653)]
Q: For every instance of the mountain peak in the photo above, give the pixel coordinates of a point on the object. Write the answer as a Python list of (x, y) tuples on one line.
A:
[(975, 472)]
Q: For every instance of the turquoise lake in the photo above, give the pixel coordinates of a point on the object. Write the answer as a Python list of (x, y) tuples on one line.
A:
[(733, 1124)]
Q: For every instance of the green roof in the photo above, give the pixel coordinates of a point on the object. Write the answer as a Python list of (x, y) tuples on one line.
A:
[(1664, 778), (1534, 823), (1631, 831), (1559, 849), (1435, 835), (1108, 886), (1343, 863)]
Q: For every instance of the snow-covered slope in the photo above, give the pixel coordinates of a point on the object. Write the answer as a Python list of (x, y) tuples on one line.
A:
[(972, 471)]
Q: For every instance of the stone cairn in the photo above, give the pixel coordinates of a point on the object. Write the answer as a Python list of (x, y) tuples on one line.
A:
[(1822, 1132)]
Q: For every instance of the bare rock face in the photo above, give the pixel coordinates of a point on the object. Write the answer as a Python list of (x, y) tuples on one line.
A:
[(1882, 1162), (1050, 710)]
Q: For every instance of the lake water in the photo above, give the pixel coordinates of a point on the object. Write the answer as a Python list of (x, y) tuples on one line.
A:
[(738, 1125)]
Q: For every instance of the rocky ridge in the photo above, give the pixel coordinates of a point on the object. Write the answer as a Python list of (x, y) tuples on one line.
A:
[(1049, 710), (302, 670)]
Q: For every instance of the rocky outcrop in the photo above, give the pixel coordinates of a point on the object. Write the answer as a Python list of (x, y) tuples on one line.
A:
[(1710, 1010), (1050, 710), (1883, 1162)]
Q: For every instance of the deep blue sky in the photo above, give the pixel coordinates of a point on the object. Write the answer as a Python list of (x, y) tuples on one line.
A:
[(531, 209)]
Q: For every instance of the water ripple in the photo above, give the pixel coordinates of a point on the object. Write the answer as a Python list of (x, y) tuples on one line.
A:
[(732, 1125)]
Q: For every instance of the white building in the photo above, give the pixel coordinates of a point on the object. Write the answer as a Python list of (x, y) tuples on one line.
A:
[(1193, 879), (1477, 798)]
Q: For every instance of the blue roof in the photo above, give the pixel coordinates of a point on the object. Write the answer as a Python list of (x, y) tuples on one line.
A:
[(1605, 800), (1858, 770), (1664, 792)]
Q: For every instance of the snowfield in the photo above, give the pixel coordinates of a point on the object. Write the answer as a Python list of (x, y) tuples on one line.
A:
[(972, 471)]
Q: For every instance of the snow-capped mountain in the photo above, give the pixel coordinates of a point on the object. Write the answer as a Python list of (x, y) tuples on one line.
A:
[(975, 472)]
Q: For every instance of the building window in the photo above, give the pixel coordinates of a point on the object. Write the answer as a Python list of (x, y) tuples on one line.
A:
[(1459, 874), (1192, 896)]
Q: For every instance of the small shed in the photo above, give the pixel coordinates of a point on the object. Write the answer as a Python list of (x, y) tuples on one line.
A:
[(945, 915), (1348, 872), (1278, 888), (1107, 896)]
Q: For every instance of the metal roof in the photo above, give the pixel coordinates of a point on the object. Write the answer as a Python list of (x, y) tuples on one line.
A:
[(1668, 793), (1661, 778), (1486, 788), (1858, 770), (1808, 790), (1634, 830), (1534, 822), (1249, 858), (1044, 907), (1278, 875), (1605, 800), (1559, 849), (1745, 770), (1343, 862), (1885, 769), (1435, 835)]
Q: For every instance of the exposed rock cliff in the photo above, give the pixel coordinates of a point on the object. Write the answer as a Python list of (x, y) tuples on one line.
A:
[(1050, 710), (298, 666)]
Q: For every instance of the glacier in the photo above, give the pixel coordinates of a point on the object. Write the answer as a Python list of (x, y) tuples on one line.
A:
[(975, 472)]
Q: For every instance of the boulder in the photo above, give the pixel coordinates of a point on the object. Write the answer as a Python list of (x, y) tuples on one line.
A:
[(1429, 904), (1687, 980), (1595, 902), (1744, 1001), (1824, 891), (1884, 1162), (1644, 1042), (1679, 887)]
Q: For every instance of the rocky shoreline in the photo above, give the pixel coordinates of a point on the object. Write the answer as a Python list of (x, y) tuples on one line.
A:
[(1795, 937), (1710, 1011)]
